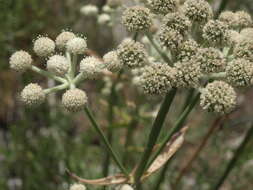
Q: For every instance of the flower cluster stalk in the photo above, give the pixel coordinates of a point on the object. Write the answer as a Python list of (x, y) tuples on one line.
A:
[(154, 134)]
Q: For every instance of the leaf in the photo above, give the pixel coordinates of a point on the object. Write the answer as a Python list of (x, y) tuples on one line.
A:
[(110, 180), (169, 150)]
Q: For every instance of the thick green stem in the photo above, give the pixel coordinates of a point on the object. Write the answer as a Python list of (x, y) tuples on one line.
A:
[(189, 96), (179, 124), (153, 136), (158, 49), (105, 141), (47, 74), (233, 161)]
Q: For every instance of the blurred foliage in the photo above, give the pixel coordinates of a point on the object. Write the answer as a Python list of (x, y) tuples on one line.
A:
[(37, 145)]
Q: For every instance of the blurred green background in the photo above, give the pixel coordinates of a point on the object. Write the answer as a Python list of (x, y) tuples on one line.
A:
[(36, 145)]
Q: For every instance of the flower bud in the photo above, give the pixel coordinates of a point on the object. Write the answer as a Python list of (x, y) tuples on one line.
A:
[(163, 6), (114, 3), (177, 21), (104, 19), (216, 33), (187, 50), (137, 19), (63, 38), (158, 78), (229, 18), (188, 74), (77, 187), (91, 67), (112, 61), (211, 60), (58, 65), (44, 46), (218, 97), (74, 100), (239, 73), (76, 45), (198, 11), (126, 187), (243, 19), (244, 50), (170, 39), (20, 61), (32, 95), (132, 54), (247, 33), (89, 10)]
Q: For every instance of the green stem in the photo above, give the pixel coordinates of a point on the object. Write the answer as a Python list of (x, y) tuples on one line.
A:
[(153, 136), (158, 49), (47, 74), (56, 88), (179, 124), (106, 142), (188, 98), (233, 161)]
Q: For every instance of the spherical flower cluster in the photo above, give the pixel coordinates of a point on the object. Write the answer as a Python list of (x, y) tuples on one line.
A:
[(218, 97), (187, 50), (32, 95), (247, 33), (126, 187), (243, 19), (112, 61), (239, 73), (177, 21), (91, 67), (229, 18), (20, 61), (158, 78), (104, 19), (244, 50), (198, 11), (137, 19), (89, 10), (234, 37), (44, 46), (74, 100), (132, 54), (163, 6), (216, 33), (188, 74), (170, 39), (211, 60), (77, 187), (63, 38), (76, 45), (58, 65)]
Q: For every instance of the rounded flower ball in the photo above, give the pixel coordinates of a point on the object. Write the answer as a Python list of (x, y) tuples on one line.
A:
[(239, 73), (158, 78), (58, 65), (187, 50), (216, 33), (89, 10), (91, 67), (163, 6), (170, 39), (76, 45), (229, 18), (218, 97), (74, 100), (132, 54), (198, 11), (137, 19), (77, 187), (112, 61), (63, 38), (243, 19), (126, 187), (32, 95), (244, 50), (44, 46), (20, 61)]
